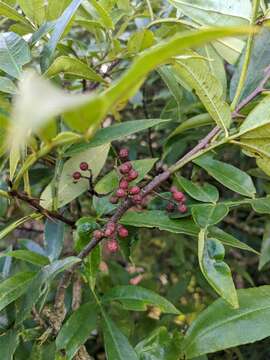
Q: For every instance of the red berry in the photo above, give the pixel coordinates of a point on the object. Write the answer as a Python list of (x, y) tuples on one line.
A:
[(84, 166), (120, 193), (112, 246), (173, 189), (114, 199), (184, 198), (108, 232), (137, 198), (132, 175), (182, 208), (123, 184), (98, 234), (125, 168), (134, 190), (123, 153), (123, 232), (170, 207), (111, 225), (76, 175), (178, 195)]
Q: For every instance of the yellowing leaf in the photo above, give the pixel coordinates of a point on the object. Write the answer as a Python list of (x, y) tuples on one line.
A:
[(196, 73)]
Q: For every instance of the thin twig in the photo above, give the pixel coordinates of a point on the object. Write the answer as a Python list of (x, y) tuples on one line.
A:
[(35, 204), (254, 93)]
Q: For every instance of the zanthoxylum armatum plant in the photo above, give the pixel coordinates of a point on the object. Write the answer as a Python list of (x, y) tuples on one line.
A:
[(134, 189)]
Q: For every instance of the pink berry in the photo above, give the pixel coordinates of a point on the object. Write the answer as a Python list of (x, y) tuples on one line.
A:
[(111, 225), (137, 199), (178, 195), (125, 168), (98, 234), (112, 246), (123, 184), (123, 232), (76, 175), (134, 190), (132, 175), (108, 232), (120, 193), (173, 189), (114, 199), (123, 153), (170, 207), (84, 166), (182, 208)]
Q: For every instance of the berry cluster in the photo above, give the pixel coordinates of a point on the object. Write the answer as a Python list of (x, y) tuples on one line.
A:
[(77, 174), (178, 200), (128, 174), (111, 231)]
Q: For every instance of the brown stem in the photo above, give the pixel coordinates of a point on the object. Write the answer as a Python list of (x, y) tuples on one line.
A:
[(157, 181), (254, 93), (34, 204)]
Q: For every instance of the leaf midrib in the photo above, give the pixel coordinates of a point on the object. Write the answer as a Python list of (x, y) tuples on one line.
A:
[(238, 316)]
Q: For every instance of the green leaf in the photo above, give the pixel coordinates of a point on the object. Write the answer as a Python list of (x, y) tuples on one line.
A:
[(211, 254), (138, 298), (91, 266), (168, 76), (13, 287), (9, 228), (192, 123), (39, 283), (73, 66), (8, 344), (205, 192), (256, 66), (265, 247), (216, 65), (221, 327), (159, 345), (140, 41), (115, 132), (77, 329), (7, 86), (117, 346), (209, 214), (34, 10), (68, 190), (12, 14), (14, 53), (88, 110), (261, 205), (53, 238), (255, 132), (228, 239), (228, 175), (253, 125), (28, 256), (102, 14), (56, 8), (60, 26), (158, 219), (218, 13), (195, 72), (110, 181)]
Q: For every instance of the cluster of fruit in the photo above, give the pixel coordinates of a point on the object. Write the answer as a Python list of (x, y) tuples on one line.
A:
[(77, 174), (178, 201), (111, 231), (128, 174)]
